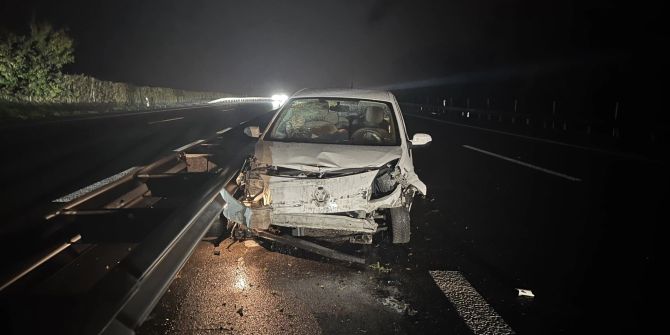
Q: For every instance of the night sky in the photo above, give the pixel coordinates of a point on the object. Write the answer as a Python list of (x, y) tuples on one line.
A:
[(261, 47)]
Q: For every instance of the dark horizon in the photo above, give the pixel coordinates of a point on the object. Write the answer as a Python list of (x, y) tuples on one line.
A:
[(258, 48)]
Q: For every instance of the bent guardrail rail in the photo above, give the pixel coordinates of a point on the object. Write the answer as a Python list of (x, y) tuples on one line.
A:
[(131, 238)]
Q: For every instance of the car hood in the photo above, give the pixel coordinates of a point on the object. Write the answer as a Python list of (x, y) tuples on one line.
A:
[(318, 157)]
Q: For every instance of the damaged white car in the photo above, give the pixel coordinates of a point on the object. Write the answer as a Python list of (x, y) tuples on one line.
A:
[(332, 164)]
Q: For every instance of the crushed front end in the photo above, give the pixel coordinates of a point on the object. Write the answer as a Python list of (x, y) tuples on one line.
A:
[(348, 204)]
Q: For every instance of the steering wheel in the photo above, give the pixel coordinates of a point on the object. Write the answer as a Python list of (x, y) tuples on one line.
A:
[(364, 135)]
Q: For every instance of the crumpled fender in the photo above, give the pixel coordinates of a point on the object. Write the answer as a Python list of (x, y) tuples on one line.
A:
[(234, 210), (413, 179)]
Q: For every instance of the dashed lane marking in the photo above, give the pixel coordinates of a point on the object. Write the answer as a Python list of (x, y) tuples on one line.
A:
[(167, 120), (480, 317), (558, 174)]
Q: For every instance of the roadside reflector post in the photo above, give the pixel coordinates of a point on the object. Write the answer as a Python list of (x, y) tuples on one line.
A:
[(615, 128), (553, 113)]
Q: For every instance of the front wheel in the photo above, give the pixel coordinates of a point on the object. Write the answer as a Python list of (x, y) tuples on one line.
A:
[(400, 229)]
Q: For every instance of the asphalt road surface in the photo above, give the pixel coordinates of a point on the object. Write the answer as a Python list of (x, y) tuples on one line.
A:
[(576, 227)]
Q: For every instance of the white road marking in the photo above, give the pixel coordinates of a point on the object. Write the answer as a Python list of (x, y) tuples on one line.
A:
[(538, 139), (223, 130), (243, 122), (94, 186), (168, 120), (182, 148), (558, 174), (470, 305)]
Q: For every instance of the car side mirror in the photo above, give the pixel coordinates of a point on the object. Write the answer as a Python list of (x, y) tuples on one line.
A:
[(420, 140), (252, 131)]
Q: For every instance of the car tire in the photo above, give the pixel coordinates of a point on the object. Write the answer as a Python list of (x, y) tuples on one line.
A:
[(400, 227)]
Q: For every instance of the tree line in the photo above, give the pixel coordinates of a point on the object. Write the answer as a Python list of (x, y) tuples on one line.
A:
[(31, 66), (31, 70)]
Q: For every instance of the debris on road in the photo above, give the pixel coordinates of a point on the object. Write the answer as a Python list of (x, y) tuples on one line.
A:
[(379, 268), (398, 306), (525, 293), (240, 311), (251, 244)]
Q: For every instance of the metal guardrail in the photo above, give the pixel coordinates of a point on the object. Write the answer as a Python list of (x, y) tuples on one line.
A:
[(146, 273), (241, 99), (161, 219), (613, 130)]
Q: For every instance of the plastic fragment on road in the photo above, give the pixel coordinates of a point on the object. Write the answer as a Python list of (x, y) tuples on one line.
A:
[(251, 244), (525, 293)]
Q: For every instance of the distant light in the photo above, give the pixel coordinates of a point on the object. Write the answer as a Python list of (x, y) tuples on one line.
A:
[(278, 100), (280, 97)]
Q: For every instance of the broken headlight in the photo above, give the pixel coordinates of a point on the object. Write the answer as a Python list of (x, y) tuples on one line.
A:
[(386, 180), (254, 188), (252, 180)]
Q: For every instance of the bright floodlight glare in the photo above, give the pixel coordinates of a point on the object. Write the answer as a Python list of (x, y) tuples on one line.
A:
[(278, 100), (280, 97)]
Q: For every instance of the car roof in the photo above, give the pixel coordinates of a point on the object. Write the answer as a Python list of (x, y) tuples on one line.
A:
[(385, 96)]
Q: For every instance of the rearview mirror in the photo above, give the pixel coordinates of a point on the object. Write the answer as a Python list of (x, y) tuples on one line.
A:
[(420, 140), (252, 131)]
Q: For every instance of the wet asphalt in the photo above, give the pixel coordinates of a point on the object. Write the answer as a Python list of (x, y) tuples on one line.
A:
[(577, 227)]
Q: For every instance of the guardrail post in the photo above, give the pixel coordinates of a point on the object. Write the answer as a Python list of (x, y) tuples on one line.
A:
[(553, 114), (553, 107), (615, 128)]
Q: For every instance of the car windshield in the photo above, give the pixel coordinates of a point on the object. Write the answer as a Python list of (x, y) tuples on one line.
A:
[(335, 121)]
